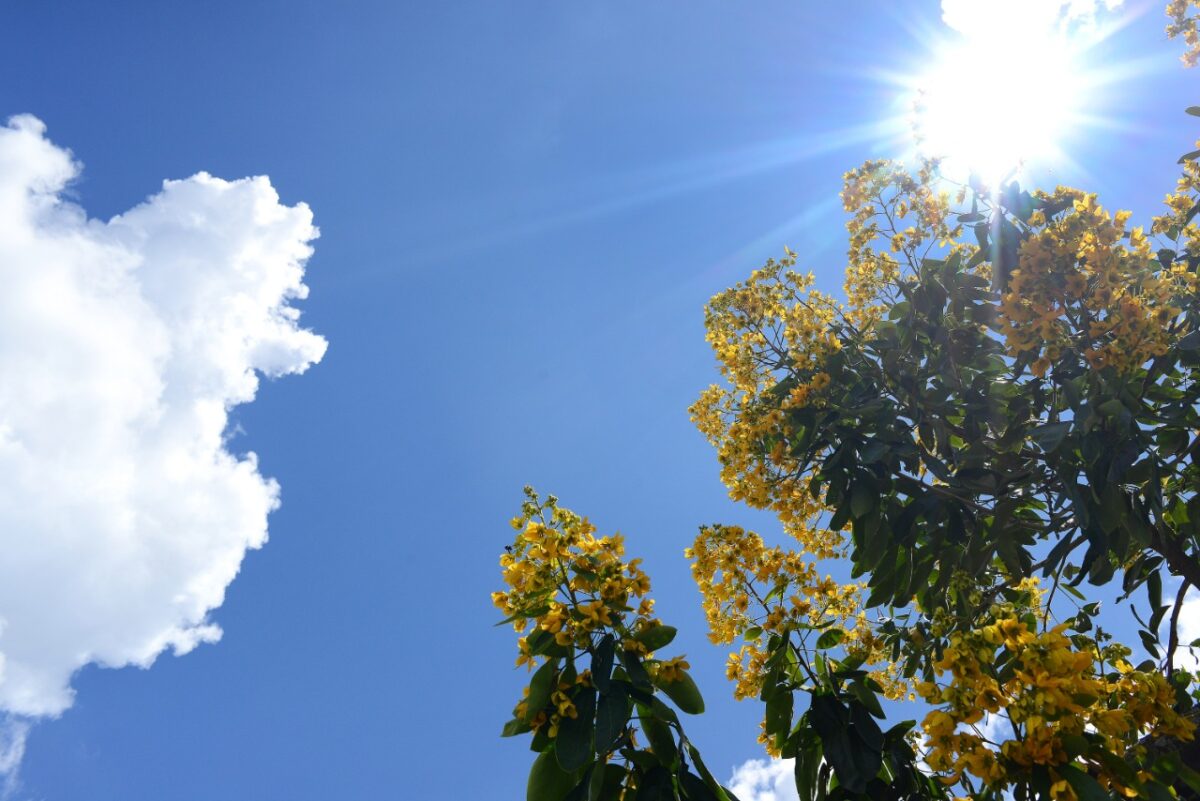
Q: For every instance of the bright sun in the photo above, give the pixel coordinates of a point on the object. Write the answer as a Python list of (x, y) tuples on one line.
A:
[(1009, 91)]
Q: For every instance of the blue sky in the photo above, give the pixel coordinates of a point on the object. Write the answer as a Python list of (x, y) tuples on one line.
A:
[(523, 207)]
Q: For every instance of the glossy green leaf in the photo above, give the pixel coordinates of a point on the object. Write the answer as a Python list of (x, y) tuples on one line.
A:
[(778, 718), (698, 763), (574, 745), (1050, 436), (548, 781), (660, 737), (830, 638), (694, 787), (514, 727), (1085, 787), (612, 713), (684, 693), (540, 686), (634, 667), (602, 662), (656, 637), (606, 783), (853, 760), (867, 698), (656, 785)]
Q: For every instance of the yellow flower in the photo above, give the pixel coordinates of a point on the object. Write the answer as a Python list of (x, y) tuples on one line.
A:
[(596, 613), (671, 670)]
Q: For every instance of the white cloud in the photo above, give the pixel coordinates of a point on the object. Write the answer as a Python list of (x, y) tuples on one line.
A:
[(765, 780), (1189, 630), (123, 346), (996, 728), (1013, 19)]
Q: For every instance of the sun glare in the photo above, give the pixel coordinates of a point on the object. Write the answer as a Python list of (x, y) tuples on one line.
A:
[(1008, 92)]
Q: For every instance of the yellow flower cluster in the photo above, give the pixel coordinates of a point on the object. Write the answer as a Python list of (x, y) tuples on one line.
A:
[(561, 707), (771, 323), (748, 587), (773, 336), (1181, 224), (772, 328), (894, 214), (670, 670), (1184, 24), (774, 333), (566, 583), (1085, 286), (1051, 690)]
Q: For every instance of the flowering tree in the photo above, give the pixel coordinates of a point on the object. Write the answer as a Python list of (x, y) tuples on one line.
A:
[(590, 620), (1004, 408)]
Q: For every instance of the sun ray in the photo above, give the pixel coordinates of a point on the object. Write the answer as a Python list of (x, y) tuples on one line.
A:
[(1011, 89)]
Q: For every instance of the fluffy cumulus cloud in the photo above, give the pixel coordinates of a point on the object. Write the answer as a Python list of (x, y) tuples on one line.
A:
[(123, 346), (1015, 18), (765, 780)]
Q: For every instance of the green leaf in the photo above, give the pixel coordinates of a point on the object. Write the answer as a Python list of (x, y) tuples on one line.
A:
[(655, 637), (1050, 435), (655, 786), (830, 638), (514, 727), (608, 788), (659, 735), (662, 711), (1187, 774), (698, 763), (524, 614), (1169, 768), (1195, 154), (540, 687), (574, 746), (1193, 110), (778, 718), (862, 499), (602, 662), (902, 728), (612, 713), (1157, 792), (1190, 341), (883, 581), (547, 781), (1116, 766), (595, 788), (1074, 744), (867, 698), (853, 762), (542, 643), (694, 788), (808, 761), (635, 669), (1149, 642), (684, 693), (1085, 787), (865, 728)]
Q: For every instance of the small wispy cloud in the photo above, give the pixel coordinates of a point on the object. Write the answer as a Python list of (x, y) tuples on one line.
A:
[(124, 514), (765, 780), (1015, 18)]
